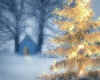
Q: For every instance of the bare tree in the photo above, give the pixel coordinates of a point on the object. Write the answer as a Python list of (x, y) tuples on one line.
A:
[(46, 7), (11, 12)]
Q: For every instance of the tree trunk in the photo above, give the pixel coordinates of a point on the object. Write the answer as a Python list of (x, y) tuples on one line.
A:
[(17, 34), (41, 25), (16, 43)]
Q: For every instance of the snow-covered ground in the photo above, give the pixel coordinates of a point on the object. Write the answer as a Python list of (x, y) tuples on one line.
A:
[(24, 68)]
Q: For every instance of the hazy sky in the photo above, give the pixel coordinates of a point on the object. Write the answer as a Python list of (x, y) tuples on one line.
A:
[(96, 7)]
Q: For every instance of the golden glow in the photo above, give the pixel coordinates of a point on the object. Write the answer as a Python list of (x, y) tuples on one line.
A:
[(89, 52), (93, 37), (81, 12), (55, 69), (73, 54), (55, 62), (80, 40), (86, 2), (81, 46), (81, 72), (71, 28)]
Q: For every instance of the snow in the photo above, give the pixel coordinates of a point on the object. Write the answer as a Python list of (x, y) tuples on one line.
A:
[(31, 28), (24, 67)]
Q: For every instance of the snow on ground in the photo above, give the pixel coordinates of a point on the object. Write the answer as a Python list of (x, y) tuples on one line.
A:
[(23, 68)]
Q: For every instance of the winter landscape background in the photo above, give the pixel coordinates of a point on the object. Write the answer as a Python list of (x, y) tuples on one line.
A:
[(36, 22)]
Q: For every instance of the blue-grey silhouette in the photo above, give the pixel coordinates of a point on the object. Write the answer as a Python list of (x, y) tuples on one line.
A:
[(29, 44), (11, 12), (14, 12)]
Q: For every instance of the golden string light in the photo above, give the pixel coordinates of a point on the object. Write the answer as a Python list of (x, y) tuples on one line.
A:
[(83, 43)]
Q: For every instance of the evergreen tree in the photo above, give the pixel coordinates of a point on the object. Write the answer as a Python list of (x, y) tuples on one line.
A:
[(82, 57)]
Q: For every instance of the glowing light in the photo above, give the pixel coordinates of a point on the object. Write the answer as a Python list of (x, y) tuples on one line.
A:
[(74, 54), (81, 46), (86, 1), (81, 73), (89, 52), (44, 73), (55, 69), (80, 18), (55, 61), (99, 18), (85, 43), (71, 28)]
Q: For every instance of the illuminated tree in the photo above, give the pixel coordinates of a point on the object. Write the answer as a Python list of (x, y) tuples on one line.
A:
[(83, 54)]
